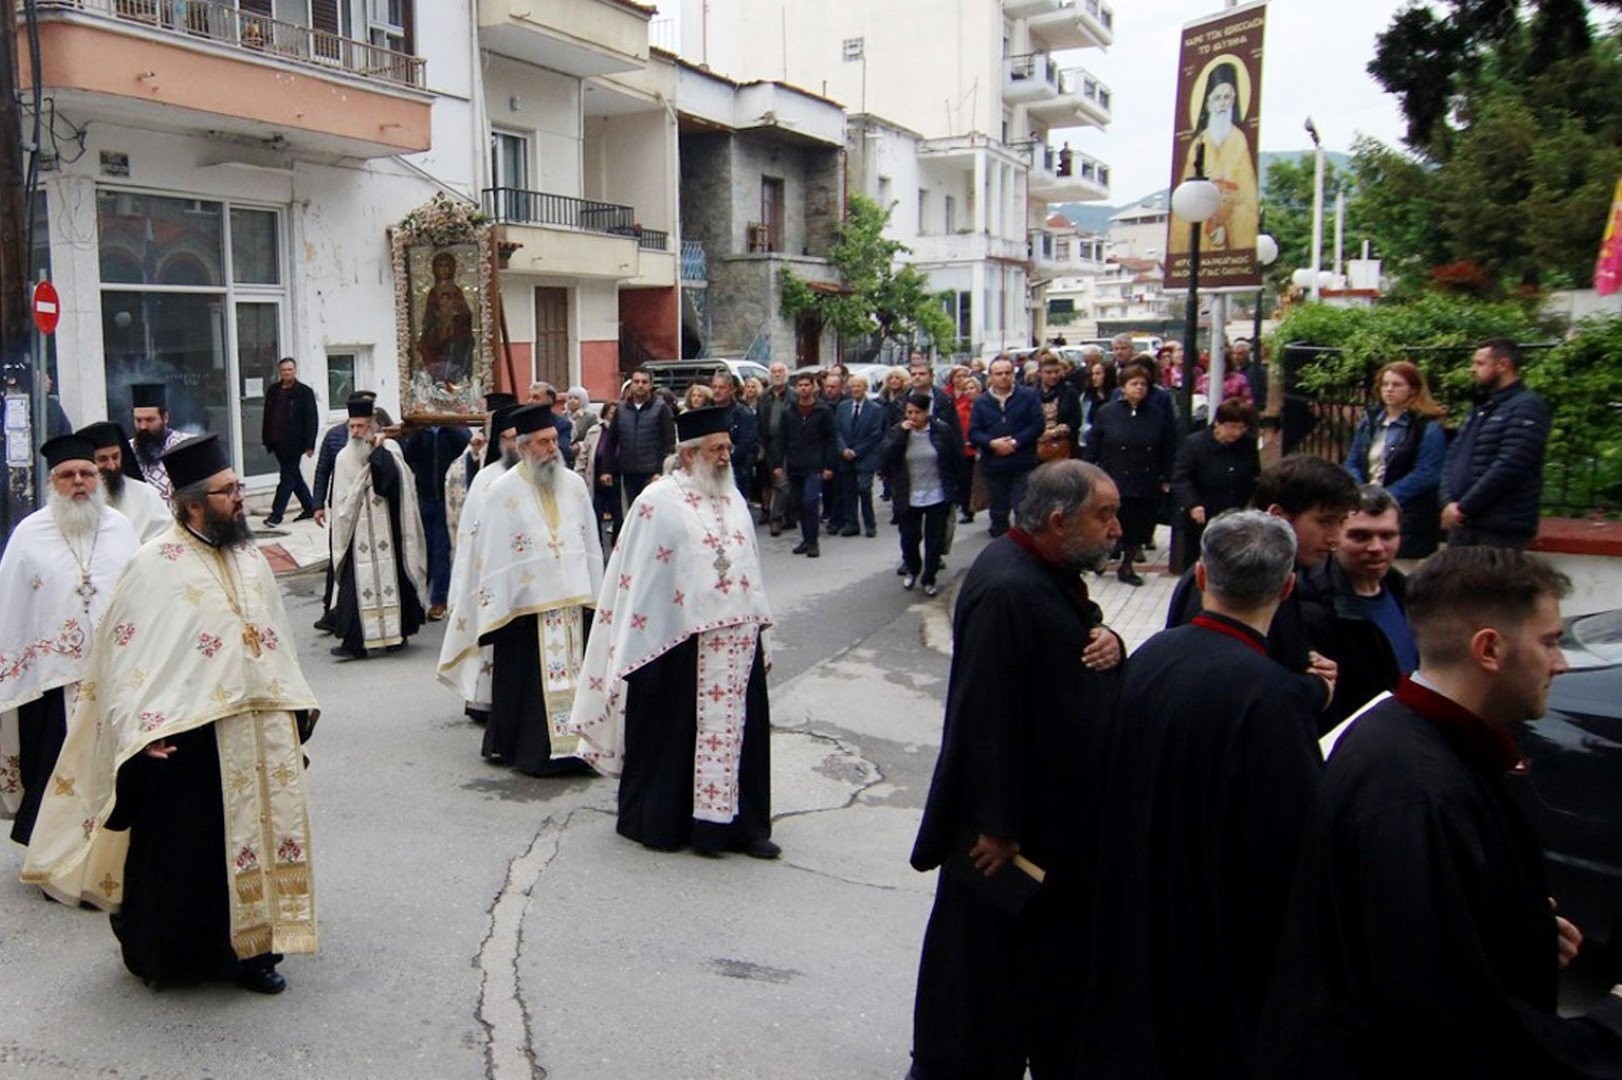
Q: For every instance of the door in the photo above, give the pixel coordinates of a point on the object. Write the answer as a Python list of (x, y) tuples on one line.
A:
[(771, 211), (551, 338), (258, 353), (808, 341)]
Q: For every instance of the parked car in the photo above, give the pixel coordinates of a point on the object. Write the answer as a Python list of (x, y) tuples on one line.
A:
[(678, 375), (1571, 791)]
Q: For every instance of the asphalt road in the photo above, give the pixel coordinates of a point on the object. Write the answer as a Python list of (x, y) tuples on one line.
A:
[(476, 922)]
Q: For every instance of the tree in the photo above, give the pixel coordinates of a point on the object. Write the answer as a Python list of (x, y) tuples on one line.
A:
[(878, 296), (1287, 202)]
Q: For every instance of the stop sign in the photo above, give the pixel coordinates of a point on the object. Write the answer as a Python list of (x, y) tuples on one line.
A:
[(47, 307)]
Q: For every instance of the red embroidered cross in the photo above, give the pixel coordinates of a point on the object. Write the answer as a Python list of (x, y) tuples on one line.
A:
[(596, 683), (639, 622), (737, 537), (625, 581), (725, 585), (716, 692), (743, 583), (717, 644), (644, 511), (692, 498), (714, 742), (711, 540), (663, 554), (607, 617), (679, 598)]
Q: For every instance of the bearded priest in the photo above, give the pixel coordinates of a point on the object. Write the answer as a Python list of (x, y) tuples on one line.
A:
[(673, 692), (56, 578), (379, 560), (469, 672), (536, 569), (121, 481), (149, 407), (178, 802)]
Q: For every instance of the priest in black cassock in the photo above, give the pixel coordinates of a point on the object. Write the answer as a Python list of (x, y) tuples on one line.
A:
[(537, 566), (379, 552), (1034, 675), (1421, 939), (672, 697), (1208, 786)]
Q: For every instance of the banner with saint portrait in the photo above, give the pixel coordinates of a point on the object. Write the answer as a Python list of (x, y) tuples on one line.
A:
[(445, 324), (1218, 120)]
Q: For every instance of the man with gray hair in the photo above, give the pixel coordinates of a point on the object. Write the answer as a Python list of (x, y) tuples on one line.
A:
[(1034, 674), (1212, 769)]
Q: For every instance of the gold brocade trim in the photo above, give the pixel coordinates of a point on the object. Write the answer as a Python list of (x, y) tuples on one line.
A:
[(293, 879), (589, 602), (250, 886), (252, 942)]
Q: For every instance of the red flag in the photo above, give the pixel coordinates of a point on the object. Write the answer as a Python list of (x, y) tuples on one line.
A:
[(1608, 267)]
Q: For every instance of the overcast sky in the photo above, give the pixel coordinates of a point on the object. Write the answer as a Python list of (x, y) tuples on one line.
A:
[(1313, 65)]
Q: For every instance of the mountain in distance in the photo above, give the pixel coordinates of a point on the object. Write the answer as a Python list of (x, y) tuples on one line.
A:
[(1094, 217)]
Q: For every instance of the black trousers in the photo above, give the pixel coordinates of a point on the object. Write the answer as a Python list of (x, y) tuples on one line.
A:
[(926, 523), (290, 484)]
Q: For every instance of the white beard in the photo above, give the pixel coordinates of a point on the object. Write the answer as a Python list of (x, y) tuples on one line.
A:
[(709, 478), (544, 474), (76, 518), (1219, 127)]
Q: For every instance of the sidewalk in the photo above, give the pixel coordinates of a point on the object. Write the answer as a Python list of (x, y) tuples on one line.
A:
[(291, 547)]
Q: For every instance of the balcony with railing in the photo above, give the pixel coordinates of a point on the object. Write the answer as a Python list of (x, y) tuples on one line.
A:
[(1063, 175), (1073, 24), (562, 234), (1029, 78), (1082, 98), (214, 66)]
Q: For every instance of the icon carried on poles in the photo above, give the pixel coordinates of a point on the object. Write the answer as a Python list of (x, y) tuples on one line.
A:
[(47, 307)]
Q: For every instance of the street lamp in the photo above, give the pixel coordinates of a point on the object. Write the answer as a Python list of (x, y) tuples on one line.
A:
[(1317, 206), (1194, 200), (1266, 255)]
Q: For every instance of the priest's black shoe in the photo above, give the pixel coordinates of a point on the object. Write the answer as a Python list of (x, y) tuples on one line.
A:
[(306, 516), (871, 532), (813, 552), (801, 548), (272, 522), (347, 654), (261, 980), (850, 530), (760, 849), (323, 625), (1129, 578)]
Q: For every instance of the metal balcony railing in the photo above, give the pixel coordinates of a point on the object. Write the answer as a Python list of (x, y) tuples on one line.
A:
[(1083, 82), (1062, 163), (651, 239), (1102, 12), (1034, 67), (695, 263), (224, 23), (515, 206)]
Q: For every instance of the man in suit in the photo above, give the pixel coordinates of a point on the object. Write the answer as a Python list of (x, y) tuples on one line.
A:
[(859, 424), (288, 433)]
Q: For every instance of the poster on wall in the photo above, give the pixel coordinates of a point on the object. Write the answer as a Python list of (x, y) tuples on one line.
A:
[(1218, 110), (445, 326)]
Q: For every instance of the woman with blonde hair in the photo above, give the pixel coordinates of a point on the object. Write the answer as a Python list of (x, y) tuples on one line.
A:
[(698, 396), (1400, 445)]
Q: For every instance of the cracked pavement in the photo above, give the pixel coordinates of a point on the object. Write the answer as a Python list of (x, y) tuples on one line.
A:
[(479, 923)]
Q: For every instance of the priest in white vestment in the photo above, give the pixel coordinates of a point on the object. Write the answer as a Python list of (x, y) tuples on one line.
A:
[(56, 578), (121, 483), (535, 572), (178, 802), (485, 447), (468, 674), (379, 552), (672, 697)]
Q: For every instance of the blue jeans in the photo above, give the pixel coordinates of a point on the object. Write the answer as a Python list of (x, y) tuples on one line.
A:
[(439, 549), (809, 487)]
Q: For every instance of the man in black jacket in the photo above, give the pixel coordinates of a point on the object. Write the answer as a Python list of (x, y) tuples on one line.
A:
[(1034, 676), (807, 456), (1492, 483), (1421, 939), (1216, 470), (288, 433), (646, 430), (1361, 599)]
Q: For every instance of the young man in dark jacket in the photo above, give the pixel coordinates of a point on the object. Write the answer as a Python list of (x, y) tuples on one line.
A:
[(647, 435), (807, 456), (1492, 483), (288, 433)]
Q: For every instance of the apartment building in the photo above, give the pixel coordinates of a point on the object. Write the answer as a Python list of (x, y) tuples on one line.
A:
[(966, 118)]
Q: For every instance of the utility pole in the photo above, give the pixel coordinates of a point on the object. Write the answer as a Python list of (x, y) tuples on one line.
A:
[(15, 338)]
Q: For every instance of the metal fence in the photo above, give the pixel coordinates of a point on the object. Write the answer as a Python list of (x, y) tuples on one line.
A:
[(1321, 417), (224, 23), (519, 207)]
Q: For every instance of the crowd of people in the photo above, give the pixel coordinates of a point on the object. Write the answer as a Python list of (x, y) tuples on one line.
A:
[(1146, 866)]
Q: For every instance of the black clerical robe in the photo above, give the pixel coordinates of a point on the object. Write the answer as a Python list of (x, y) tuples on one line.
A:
[(1212, 769), (346, 616), (518, 730), (661, 737), (42, 727), (1020, 757), (1419, 941)]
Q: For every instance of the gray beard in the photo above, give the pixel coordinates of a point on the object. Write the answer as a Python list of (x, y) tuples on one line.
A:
[(1219, 127), (710, 479), (76, 519), (544, 474)]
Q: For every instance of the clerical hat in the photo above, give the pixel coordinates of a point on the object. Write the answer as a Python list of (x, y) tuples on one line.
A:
[(532, 418), (149, 396), (361, 406), (697, 423), (197, 458), (497, 399), (68, 448), (102, 434)]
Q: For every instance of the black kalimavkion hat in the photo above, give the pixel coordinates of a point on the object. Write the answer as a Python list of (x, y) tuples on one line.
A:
[(697, 423), (68, 448), (197, 458), (149, 396)]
